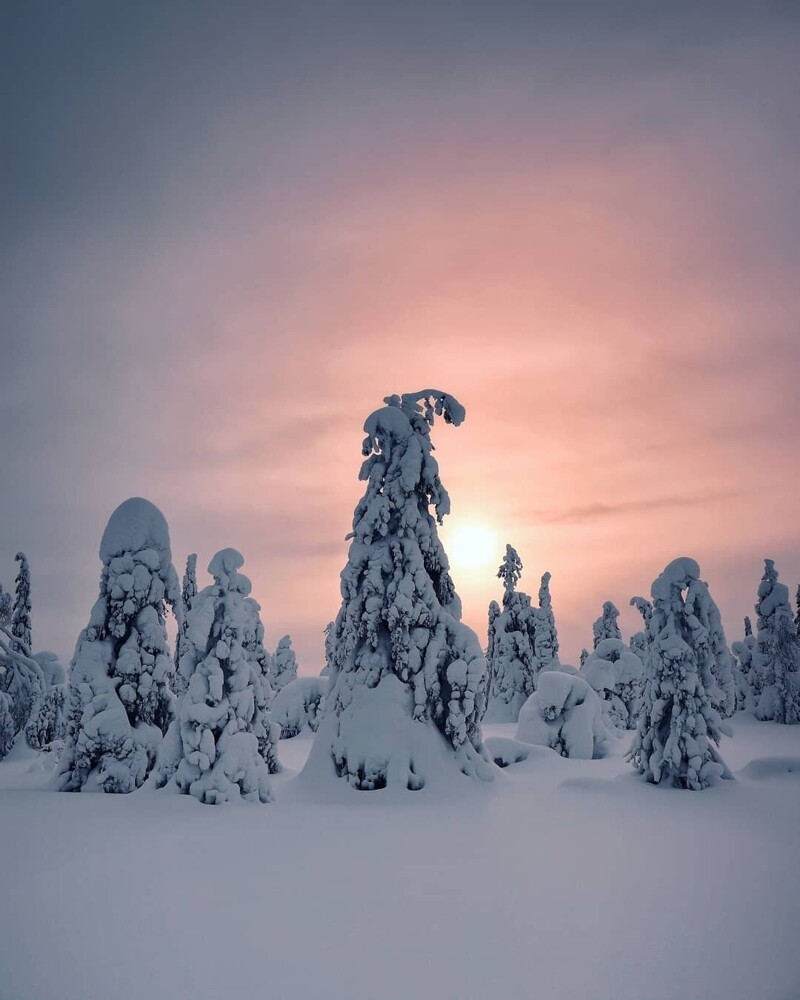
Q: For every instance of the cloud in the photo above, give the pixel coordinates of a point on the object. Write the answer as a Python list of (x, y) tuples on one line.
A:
[(600, 511)]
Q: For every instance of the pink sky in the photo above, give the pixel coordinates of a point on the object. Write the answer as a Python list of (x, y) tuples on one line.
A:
[(603, 269)]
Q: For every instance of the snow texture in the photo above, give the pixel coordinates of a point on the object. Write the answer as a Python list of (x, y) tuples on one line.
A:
[(408, 678), (120, 701), (283, 666), (775, 672), (220, 744), (564, 714), (679, 728), (298, 706)]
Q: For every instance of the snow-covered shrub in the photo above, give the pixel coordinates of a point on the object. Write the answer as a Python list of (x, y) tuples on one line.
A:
[(299, 704), (616, 674), (120, 703), (188, 592), (679, 728), (215, 748), (48, 720), (408, 678), (606, 626), (776, 659), (564, 713), (283, 666)]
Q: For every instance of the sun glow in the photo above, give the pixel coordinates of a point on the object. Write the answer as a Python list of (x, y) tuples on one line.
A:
[(473, 547)]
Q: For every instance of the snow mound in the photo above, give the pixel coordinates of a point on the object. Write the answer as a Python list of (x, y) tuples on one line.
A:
[(764, 768), (298, 706), (505, 751), (564, 713)]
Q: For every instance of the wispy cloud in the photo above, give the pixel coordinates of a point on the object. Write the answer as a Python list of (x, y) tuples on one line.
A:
[(599, 511)]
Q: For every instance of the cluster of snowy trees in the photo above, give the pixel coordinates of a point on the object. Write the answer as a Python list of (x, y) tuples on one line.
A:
[(406, 685), (32, 688)]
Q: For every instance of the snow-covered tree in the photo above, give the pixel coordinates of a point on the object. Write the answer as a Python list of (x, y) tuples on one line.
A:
[(606, 627), (679, 728), (330, 640), (188, 592), (299, 704), (214, 749), (717, 651), (408, 678), (6, 607), (545, 645), (748, 626), (120, 703), (564, 713), (21, 614), (776, 658), (511, 661), (616, 674), (48, 718), (283, 666), (21, 682), (797, 612)]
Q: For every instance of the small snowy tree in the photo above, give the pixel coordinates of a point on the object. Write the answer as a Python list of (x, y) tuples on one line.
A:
[(797, 612), (606, 627), (21, 681), (330, 639), (408, 678), (545, 643), (776, 658), (283, 665), (748, 626), (21, 614), (6, 608), (48, 718), (511, 662), (120, 703), (188, 592), (214, 749), (679, 728)]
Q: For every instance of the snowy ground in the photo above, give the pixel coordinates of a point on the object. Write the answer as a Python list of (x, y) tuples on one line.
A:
[(565, 880)]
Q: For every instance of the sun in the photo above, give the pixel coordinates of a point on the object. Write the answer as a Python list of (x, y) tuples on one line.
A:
[(473, 547)]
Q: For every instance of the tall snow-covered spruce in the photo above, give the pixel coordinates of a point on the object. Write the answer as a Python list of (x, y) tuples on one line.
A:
[(408, 678), (119, 698), (21, 614), (679, 728), (222, 744), (775, 672)]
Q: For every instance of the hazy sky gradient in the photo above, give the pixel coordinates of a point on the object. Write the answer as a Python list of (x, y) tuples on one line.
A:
[(228, 230)]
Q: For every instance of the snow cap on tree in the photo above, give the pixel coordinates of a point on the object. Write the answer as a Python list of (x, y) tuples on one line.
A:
[(407, 677), (606, 627), (679, 728), (21, 614), (218, 746), (120, 702)]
